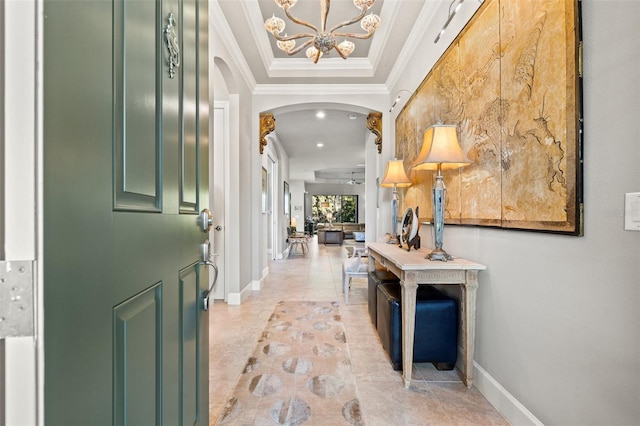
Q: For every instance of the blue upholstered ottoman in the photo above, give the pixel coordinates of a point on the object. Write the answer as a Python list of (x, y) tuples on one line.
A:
[(436, 332), (376, 278)]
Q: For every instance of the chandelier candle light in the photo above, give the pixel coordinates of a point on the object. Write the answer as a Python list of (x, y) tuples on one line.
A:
[(323, 40), (440, 150), (395, 176)]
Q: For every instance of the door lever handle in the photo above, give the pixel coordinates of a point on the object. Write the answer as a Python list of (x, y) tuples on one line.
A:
[(205, 259), (205, 296)]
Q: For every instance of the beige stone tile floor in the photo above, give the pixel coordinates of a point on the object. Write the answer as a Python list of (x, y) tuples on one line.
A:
[(434, 398)]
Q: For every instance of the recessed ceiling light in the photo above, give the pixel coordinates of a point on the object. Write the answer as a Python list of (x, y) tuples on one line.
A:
[(320, 145), (352, 117), (320, 114)]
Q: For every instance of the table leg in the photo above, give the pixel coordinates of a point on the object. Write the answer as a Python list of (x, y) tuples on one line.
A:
[(409, 291), (468, 318)]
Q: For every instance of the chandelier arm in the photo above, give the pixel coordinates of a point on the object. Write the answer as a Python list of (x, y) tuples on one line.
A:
[(349, 22), (352, 35), (318, 54), (342, 55), (298, 20), (299, 48), (293, 37), (324, 4)]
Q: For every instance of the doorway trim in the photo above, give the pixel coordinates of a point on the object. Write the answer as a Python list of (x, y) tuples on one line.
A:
[(23, 362), (220, 158)]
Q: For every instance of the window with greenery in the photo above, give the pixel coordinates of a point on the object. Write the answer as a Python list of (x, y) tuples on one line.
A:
[(334, 208)]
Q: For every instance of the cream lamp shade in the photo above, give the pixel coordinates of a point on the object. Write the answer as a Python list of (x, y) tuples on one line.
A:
[(395, 175), (440, 146), (440, 150)]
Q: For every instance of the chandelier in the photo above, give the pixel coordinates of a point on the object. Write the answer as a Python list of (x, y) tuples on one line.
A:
[(322, 41)]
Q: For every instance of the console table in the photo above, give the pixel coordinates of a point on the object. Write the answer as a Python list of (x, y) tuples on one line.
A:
[(413, 269)]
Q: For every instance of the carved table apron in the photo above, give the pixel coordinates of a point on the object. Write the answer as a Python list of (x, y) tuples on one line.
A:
[(413, 269)]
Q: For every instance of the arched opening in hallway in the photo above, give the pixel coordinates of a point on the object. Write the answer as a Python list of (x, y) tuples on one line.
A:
[(327, 149)]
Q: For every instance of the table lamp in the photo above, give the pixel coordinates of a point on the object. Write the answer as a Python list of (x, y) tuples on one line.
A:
[(440, 150), (395, 176)]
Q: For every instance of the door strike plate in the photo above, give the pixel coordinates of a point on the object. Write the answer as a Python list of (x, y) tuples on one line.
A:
[(16, 298)]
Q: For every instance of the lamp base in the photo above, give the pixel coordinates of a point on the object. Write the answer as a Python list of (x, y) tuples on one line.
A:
[(439, 254)]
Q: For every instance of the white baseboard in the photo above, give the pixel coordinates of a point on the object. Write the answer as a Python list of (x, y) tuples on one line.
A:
[(256, 285), (234, 298), (512, 410), (238, 298)]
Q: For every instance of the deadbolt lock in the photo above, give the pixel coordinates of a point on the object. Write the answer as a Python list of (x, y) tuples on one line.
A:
[(205, 221)]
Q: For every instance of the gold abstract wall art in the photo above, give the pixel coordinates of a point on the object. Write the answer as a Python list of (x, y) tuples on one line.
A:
[(511, 83)]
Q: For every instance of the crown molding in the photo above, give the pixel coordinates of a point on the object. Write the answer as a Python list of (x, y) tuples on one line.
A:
[(251, 10), (321, 89), (426, 29), (418, 32), (388, 16), (326, 67), (216, 17)]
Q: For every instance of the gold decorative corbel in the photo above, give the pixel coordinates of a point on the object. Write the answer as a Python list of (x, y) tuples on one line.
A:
[(374, 123), (267, 125)]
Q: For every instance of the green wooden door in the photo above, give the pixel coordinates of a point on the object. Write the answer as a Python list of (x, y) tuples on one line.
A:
[(125, 175)]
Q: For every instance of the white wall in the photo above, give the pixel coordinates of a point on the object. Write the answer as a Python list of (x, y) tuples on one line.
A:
[(558, 316), (237, 87)]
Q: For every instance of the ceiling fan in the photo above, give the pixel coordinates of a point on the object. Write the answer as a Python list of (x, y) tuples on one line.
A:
[(352, 181)]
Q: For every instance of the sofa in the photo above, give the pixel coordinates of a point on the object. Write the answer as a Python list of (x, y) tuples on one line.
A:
[(348, 230)]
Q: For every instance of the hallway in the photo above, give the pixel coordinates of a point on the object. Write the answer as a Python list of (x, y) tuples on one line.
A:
[(435, 397)]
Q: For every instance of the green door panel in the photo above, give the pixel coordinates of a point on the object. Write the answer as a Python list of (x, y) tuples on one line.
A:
[(125, 174), (137, 325), (190, 100), (137, 110), (190, 345)]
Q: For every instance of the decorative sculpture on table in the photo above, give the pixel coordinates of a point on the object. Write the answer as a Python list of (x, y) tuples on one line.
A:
[(410, 228)]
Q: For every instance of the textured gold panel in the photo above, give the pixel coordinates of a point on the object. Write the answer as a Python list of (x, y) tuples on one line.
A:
[(510, 83)]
